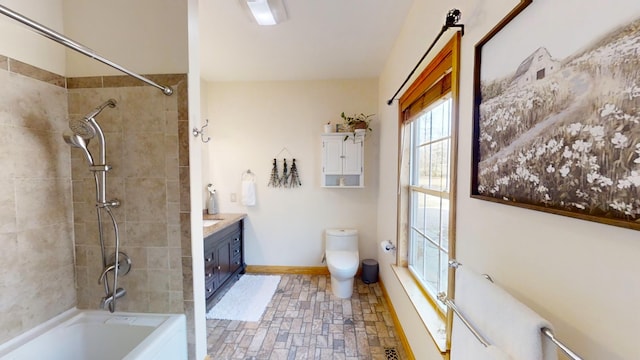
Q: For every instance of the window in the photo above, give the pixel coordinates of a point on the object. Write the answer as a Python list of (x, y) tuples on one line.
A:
[(429, 187), (426, 220)]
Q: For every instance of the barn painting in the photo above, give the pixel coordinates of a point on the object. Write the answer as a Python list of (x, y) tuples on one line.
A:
[(564, 134)]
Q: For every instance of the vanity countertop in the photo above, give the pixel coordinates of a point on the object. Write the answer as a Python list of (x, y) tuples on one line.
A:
[(225, 220)]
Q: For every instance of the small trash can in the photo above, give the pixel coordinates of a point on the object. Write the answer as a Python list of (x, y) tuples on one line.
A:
[(369, 271)]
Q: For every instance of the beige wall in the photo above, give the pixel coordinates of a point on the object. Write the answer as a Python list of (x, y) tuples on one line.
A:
[(20, 43), (145, 36), (580, 275), (250, 124), (36, 221)]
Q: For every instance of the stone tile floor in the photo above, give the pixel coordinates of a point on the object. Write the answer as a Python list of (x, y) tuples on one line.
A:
[(305, 321)]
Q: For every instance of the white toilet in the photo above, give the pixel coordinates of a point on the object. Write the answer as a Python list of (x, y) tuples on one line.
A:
[(341, 250)]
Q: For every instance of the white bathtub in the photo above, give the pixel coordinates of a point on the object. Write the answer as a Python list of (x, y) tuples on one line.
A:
[(99, 335)]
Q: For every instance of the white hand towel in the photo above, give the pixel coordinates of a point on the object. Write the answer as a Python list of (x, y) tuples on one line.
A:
[(248, 193), (503, 320), (465, 346)]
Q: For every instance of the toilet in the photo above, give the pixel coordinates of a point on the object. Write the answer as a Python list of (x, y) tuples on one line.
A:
[(341, 251)]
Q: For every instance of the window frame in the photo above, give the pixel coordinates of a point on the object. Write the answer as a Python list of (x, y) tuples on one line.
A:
[(443, 70)]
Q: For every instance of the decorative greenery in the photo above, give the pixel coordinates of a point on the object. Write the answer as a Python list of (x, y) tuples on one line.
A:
[(356, 121)]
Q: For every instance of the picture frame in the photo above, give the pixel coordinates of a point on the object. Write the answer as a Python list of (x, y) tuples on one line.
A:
[(556, 126)]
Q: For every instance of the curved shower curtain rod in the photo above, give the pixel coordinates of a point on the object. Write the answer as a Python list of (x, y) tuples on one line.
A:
[(61, 39)]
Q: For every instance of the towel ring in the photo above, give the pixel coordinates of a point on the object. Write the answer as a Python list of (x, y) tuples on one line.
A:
[(248, 175)]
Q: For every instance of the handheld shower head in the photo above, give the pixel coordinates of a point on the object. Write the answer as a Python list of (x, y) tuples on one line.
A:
[(86, 127), (82, 128), (78, 141)]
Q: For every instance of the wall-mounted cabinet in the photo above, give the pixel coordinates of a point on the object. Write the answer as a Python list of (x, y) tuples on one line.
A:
[(342, 160)]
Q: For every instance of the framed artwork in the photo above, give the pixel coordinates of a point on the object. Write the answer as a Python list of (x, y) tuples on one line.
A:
[(557, 110)]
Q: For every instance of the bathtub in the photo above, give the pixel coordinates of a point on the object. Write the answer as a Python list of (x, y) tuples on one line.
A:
[(99, 335)]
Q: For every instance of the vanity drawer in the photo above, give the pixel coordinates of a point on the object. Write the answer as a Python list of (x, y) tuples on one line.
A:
[(236, 262)]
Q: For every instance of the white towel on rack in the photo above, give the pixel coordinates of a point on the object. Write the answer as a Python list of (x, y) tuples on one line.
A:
[(465, 346), (248, 192), (501, 319)]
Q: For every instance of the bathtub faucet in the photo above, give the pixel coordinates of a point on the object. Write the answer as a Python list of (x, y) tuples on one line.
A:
[(104, 273), (108, 300)]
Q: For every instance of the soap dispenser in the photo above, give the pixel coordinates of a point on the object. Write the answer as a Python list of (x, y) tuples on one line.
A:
[(212, 203)]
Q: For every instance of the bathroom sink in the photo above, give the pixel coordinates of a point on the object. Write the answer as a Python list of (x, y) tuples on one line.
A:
[(206, 222)]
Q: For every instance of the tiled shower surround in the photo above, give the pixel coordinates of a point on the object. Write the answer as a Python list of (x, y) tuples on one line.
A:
[(47, 195), (36, 219), (141, 134)]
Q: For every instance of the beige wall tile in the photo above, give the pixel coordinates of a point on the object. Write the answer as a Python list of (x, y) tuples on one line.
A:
[(175, 280), (187, 279), (138, 255), (33, 72), (142, 101), (185, 234), (10, 259), (173, 191), (171, 122), (146, 234), (38, 202), (7, 206), (176, 302), (185, 186), (152, 121), (146, 199), (183, 142), (173, 235), (173, 213), (159, 280), (158, 257), (82, 101), (32, 104), (145, 153), (84, 82)]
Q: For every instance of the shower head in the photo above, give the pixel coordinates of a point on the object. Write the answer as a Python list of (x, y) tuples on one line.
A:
[(110, 103), (82, 128), (78, 141), (86, 128)]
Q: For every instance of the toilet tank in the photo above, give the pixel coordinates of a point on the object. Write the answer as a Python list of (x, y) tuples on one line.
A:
[(341, 239)]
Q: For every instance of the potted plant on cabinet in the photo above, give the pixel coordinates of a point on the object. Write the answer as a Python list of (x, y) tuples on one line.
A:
[(357, 123)]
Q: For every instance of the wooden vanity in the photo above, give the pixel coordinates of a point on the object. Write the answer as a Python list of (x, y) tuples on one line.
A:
[(223, 253)]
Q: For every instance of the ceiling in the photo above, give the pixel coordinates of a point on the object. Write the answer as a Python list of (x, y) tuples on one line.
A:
[(321, 39)]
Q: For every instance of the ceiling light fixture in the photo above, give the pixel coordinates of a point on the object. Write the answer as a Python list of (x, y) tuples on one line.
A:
[(266, 12)]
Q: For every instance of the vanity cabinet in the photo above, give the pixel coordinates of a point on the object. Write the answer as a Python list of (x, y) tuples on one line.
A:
[(223, 259), (342, 160)]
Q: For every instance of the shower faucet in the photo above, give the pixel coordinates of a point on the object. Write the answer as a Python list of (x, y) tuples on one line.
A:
[(108, 300)]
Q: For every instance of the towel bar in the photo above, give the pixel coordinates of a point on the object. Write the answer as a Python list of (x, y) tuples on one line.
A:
[(450, 304), (546, 331)]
